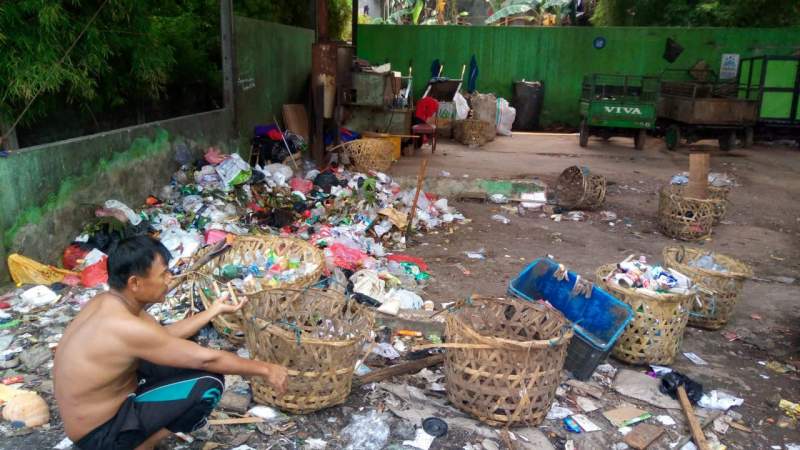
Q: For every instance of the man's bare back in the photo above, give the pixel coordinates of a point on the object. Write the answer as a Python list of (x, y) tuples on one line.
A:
[(94, 372), (105, 397)]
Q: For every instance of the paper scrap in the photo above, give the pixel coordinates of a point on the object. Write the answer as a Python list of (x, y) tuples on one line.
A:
[(585, 404), (665, 420), (585, 423), (695, 359), (626, 416)]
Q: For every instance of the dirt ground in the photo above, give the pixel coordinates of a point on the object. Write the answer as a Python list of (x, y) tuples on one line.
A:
[(762, 228)]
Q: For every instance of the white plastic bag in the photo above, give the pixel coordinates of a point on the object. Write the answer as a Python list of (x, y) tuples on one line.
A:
[(505, 117), (462, 107)]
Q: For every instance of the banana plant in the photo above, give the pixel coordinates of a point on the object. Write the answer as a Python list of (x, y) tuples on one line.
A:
[(535, 8)]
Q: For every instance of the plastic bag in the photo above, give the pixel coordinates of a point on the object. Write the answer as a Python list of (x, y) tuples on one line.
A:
[(346, 257), (234, 170), (72, 254), (95, 274), (462, 107), (301, 185), (368, 431), (505, 117), (27, 271)]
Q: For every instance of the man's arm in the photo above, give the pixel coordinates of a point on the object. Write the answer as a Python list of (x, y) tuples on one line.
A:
[(151, 342), (189, 326)]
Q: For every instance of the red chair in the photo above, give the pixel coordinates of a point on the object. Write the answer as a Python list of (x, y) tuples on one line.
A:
[(426, 109)]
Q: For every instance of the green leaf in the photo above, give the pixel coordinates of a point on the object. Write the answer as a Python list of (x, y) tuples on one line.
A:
[(508, 11)]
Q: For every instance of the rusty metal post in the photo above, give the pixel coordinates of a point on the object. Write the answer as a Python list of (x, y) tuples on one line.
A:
[(323, 82)]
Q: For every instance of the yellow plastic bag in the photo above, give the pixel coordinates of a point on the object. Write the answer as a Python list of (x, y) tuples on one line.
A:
[(27, 271)]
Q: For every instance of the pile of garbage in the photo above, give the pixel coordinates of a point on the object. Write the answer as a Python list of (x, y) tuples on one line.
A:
[(639, 275)]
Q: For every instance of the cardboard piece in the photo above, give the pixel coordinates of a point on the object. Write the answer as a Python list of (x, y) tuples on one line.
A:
[(627, 415), (296, 120), (639, 386), (643, 435)]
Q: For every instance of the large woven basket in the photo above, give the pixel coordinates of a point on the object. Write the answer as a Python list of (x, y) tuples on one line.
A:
[(473, 131), (685, 218), (718, 196), (719, 291), (317, 335), (655, 334), (504, 359), (370, 154), (577, 188), (246, 250)]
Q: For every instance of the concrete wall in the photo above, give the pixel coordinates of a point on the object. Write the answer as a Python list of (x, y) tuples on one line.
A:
[(559, 56), (49, 190), (273, 65)]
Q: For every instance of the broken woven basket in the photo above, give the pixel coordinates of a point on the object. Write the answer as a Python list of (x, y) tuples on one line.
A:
[(504, 359), (317, 335)]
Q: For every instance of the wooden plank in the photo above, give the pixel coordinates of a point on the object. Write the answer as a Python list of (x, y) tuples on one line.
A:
[(238, 421), (699, 163), (295, 118), (643, 435), (586, 389), (694, 425), (398, 369)]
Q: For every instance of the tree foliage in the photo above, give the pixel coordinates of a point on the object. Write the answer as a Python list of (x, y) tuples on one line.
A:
[(693, 13), (138, 55)]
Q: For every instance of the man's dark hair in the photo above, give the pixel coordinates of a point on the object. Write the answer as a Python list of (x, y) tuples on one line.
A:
[(134, 256)]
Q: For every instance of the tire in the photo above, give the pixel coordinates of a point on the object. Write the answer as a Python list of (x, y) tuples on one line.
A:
[(672, 137), (749, 137), (583, 136), (727, 141), (639, 139)]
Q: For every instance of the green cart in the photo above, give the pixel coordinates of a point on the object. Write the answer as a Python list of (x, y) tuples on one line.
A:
[(618, 105), (774, 83)]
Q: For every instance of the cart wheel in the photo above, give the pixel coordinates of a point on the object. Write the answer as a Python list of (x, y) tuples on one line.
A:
[(748, 137), (672, 137), (727, 141), (639, 139), (583, 137)]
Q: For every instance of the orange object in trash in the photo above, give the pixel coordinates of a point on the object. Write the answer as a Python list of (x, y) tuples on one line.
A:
[(411, 333)]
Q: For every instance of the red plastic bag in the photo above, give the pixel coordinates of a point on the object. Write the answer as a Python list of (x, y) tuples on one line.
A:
[(95, 274), (72, 254), (347, 257), (401, 258), (301, 184)]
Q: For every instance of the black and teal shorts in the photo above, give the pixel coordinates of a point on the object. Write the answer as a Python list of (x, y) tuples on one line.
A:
[(179, 400)]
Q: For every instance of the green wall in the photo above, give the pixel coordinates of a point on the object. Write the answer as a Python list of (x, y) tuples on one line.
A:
[(559, 56), (273, 65)]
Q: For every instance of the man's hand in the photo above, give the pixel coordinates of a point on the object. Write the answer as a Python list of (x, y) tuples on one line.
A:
[(223, 306), (278, 377)]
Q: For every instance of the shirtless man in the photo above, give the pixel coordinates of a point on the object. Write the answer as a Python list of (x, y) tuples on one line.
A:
[(123, 381)]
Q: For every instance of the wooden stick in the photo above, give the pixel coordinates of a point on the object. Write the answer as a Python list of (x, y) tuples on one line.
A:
[(420, 179), (239, 421), (699, 163), (706, 422), (694, 425), (286, 144), (399, 369), (220, 248)]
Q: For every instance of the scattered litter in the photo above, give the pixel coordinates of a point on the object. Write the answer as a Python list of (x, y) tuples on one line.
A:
[(558, 412), (608, 216), (585, 404), (265, 412), (571, 425), (642, 435), (790, 408), (498, 198), (502, 219), (585, 423), (422, 440), (366, 431), (626, 416), (315, 444), (719, 400), (64, 444), (476, 254), (665, 420), (695, 359)]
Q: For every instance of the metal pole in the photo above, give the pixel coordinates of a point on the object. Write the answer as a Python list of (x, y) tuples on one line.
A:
[(354, 27), (226, 32)]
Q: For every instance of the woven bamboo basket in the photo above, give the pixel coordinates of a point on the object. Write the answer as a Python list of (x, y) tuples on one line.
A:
[(370, 154), (473, 131), (293, 328), (577, 188), (504, 359), (245, 250), (718, 196), (685, 218), (655, 334), (719, 291)]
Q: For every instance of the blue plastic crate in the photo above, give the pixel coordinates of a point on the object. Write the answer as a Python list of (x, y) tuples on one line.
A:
[(598, 320)]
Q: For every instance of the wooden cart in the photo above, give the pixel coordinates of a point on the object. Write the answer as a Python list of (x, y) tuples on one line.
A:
[(704, 108)]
